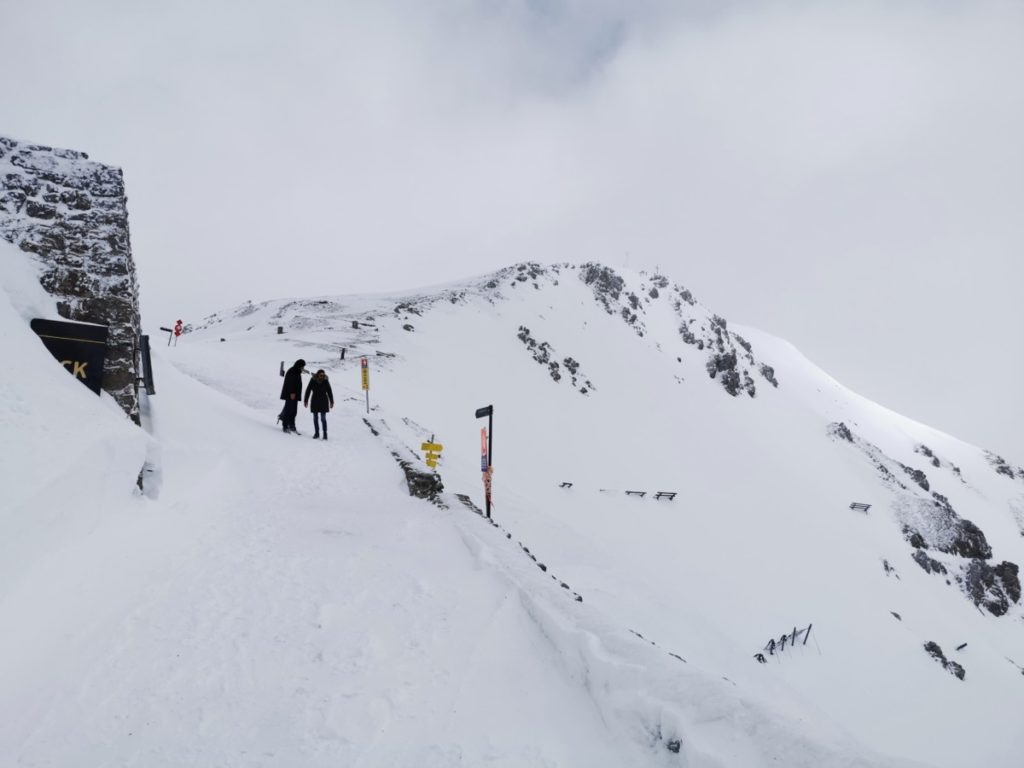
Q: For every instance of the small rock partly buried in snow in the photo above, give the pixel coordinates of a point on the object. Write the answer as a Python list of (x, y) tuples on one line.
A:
[(936, 653)]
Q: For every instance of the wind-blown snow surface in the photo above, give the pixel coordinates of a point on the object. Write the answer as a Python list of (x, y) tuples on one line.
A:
[(275, 600)]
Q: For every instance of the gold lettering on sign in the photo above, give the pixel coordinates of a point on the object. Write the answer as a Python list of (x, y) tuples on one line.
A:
[(77, 368)]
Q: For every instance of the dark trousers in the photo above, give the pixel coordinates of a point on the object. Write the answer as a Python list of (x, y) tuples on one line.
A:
[(323, 420), (291, 407)]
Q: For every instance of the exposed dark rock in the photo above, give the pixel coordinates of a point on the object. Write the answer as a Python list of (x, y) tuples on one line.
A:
[(726, 365), (898, 617), (607, 285), (423, 485), (971, 542), (993, 589), (840, 430), (748, 385), (687, 334), (468, 502), (40, 210), (531, 270), (542, 352), (407, 307), (408, 327), (71, 214), (968, 540), (611, 291), (933, 650), (1003, 468), (674, 745), (934, 523), (1009, 574), (917, 476), (731, 382), (929, 564), (915, 538), (685, 295), (769, 373)]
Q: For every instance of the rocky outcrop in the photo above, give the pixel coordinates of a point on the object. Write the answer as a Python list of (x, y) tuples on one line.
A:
[(544, 354), (929, 522), (994, 588), (70, 213), (1002, 467), (422, 485), (935, 651), (929, 564), (730, 357)]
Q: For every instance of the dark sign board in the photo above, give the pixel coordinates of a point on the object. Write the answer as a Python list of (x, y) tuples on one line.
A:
[(79, 347), (147, 365)]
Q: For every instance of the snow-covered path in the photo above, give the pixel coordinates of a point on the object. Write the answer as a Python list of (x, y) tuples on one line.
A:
[(302, 610), (278, 601)]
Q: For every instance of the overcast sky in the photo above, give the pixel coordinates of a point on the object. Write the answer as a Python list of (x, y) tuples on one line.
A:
[(849, 176)]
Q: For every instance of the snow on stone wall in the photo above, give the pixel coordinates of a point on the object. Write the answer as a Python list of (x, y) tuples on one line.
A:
[(70, 213)]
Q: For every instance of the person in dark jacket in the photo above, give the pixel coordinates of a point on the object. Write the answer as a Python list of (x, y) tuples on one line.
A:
[(291, 392), (319, 399)]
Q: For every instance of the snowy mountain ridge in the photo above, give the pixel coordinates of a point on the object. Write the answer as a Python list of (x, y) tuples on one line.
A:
[(274, 600), (727, 353)]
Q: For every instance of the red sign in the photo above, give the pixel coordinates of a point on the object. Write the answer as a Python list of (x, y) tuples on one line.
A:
[(486, 468), (177, 328)]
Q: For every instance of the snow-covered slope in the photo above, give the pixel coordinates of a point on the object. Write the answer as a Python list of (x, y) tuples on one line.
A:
[(275, 600)]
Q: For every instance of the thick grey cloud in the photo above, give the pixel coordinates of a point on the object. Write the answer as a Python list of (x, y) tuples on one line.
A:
[(848, 176)]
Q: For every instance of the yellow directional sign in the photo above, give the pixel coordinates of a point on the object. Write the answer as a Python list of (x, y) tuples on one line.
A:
[(433, 451)]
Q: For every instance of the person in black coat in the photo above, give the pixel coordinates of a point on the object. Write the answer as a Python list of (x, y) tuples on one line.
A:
[(290, 393), (319, 399)]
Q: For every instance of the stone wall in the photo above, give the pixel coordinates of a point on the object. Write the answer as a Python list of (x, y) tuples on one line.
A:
[(70, 213)]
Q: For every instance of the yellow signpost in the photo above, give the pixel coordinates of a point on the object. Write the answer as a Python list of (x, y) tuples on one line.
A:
[(433, 451), (365, 365)]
